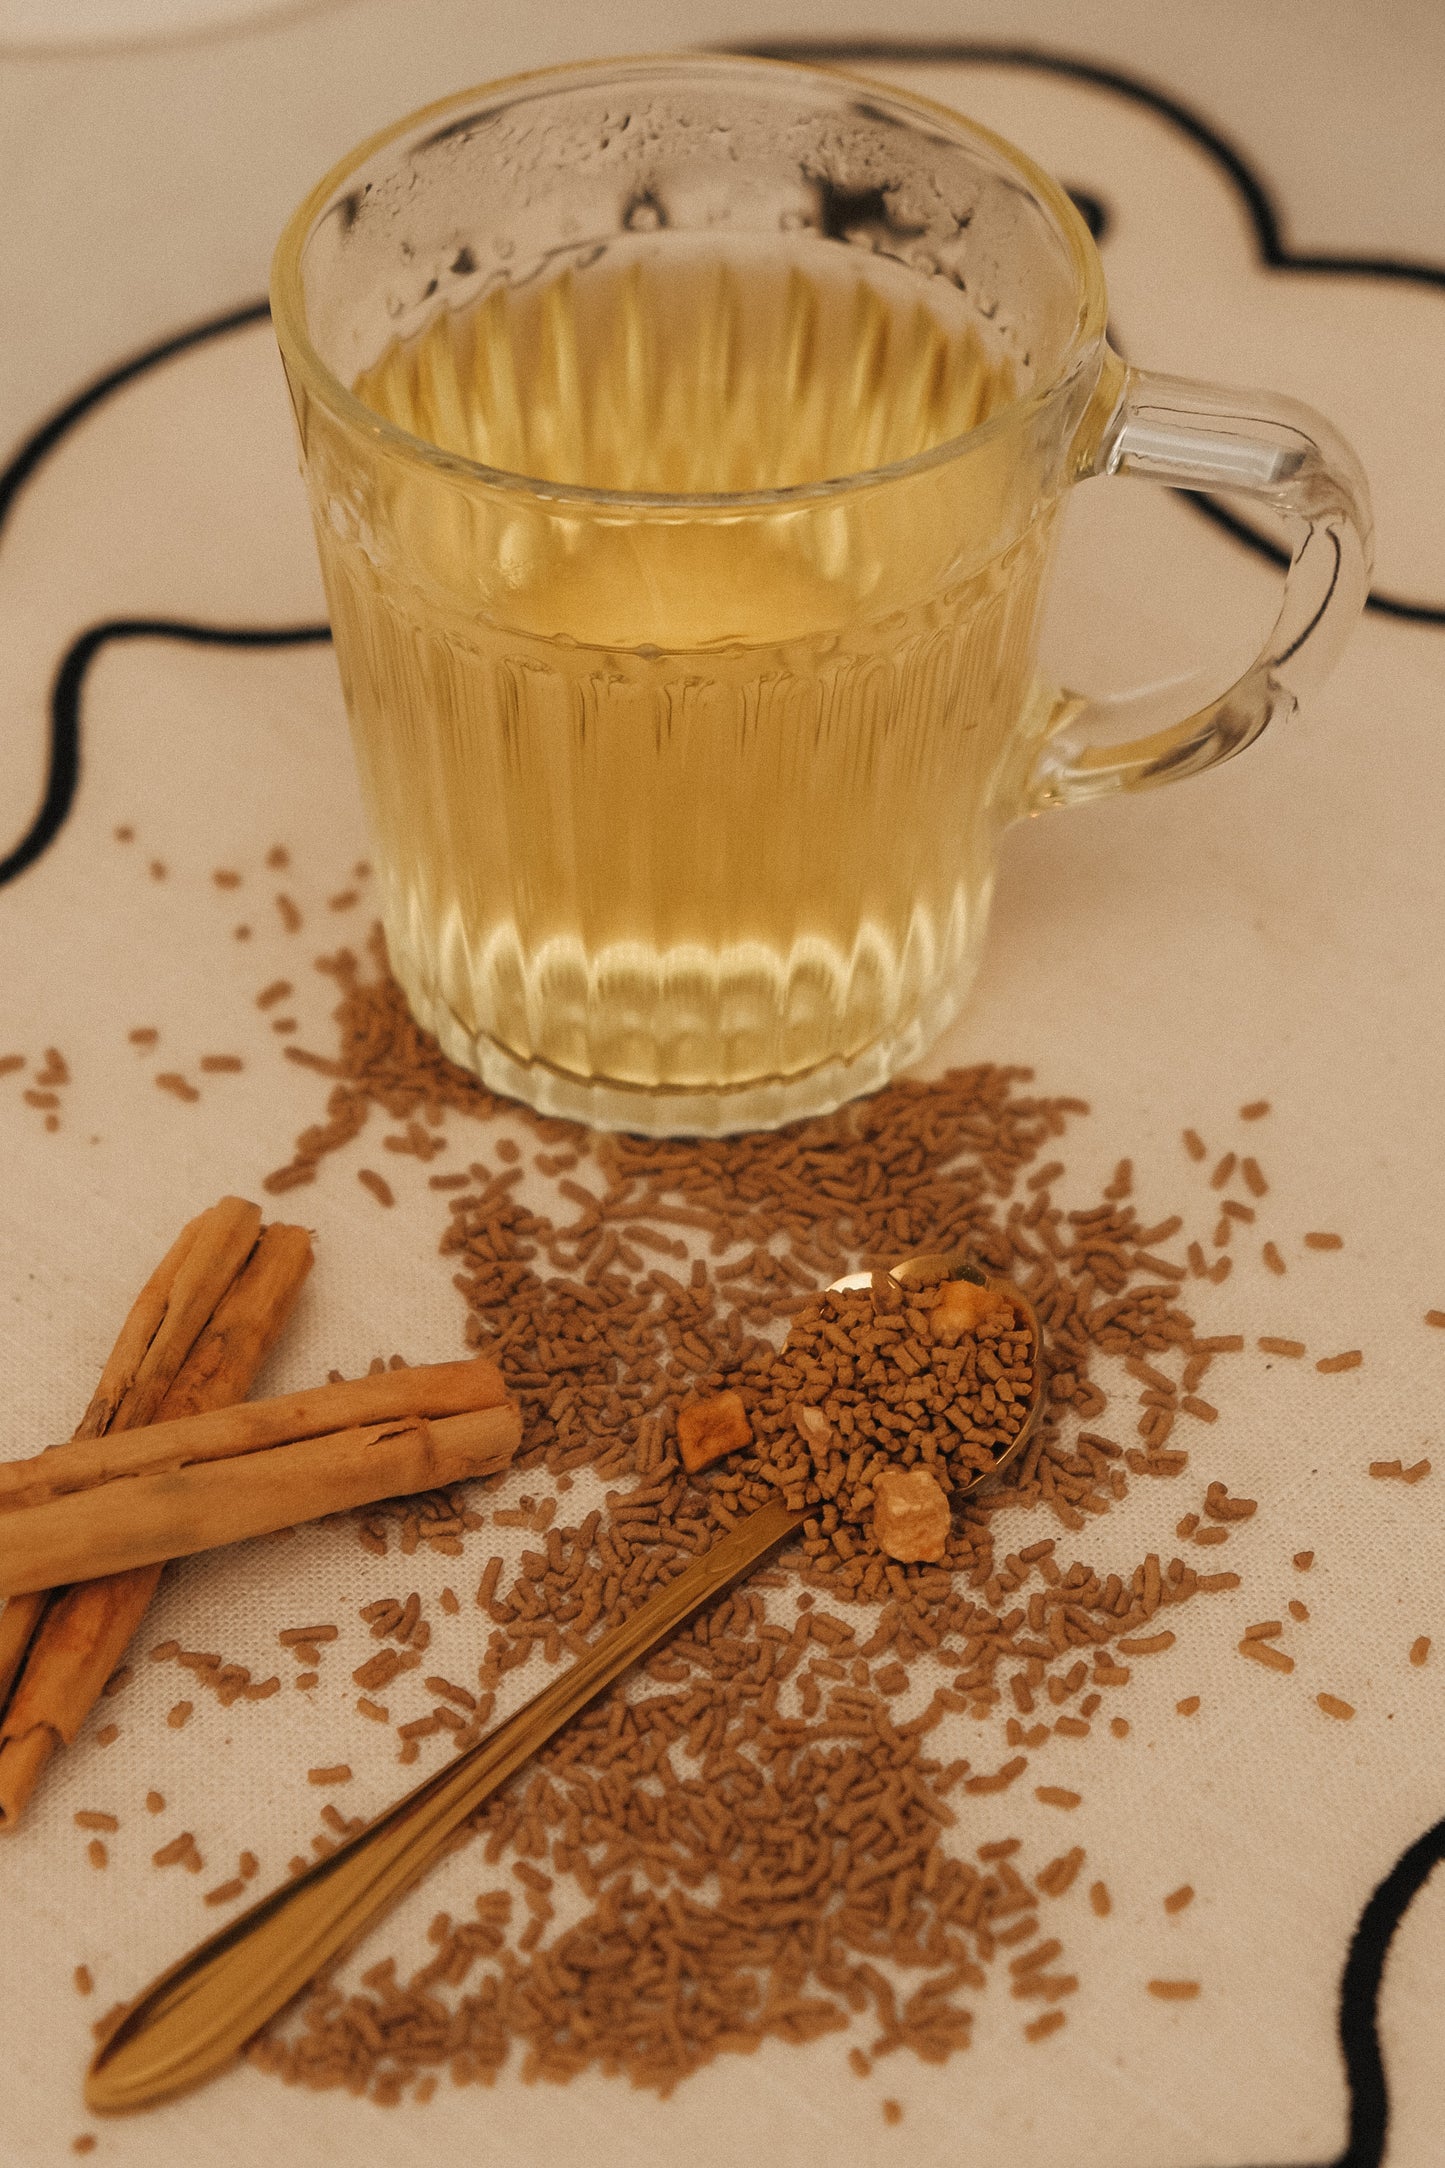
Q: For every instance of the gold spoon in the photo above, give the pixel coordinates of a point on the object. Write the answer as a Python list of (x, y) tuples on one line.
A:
[(198, 2015)]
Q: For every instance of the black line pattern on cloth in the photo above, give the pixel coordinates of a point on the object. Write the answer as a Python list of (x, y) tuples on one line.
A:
[(1375, 1930)]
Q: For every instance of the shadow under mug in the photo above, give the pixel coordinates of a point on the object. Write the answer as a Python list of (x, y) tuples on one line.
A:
[(685, 558)]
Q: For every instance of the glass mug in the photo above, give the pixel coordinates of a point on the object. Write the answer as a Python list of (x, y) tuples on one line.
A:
[(685, 439)]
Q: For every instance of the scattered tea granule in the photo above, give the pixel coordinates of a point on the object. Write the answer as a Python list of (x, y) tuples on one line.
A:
[(1304, 1560), (1100, 1902), (1350, 1360), (1039, 2028), (1420, 1651), (1179, 1898), (1435, 1317), (1254, 1111), (84, 1982), (380, 1188), (1174, 1990), (1319, 1241), (334, 1773), (1333, 1706)]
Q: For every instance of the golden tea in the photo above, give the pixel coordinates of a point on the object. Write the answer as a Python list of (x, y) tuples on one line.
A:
[(693, 803)]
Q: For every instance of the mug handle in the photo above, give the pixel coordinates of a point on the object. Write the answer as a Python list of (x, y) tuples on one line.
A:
[(1253, 444)]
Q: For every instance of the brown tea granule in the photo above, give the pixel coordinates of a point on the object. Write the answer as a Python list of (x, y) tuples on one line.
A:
[(1303, 1560), (1060, 1874), (9, 1063), (179, 1714), (1174, 1990), (226, 1893), (307, 1679), (373, 1709), (1119, 1726), (1333, 1706), (1273, 1659), (1100, 1901), (1350, 1360), (1147, 1644), (92, 1818), (1057, 1795), (1223, 1170), (226, 877), (892, 2111), (125, 834), (310, 1637), (1195, 1145), (171, 1080), (84, 1982), (240, 933), (449, 1602), (157, 869), (1179, 1898), (1383, 1470), (289, 913), (1271, 1346), (380, 1188), (335, 1773), (1435, 1317), (282, 1025), (1254, 1180), (85, 2143), (1420, 1651), (1298, 1611), (39, 1099), (182, 1851), (155, 1803), (278, 990), (144, 1035), (1189, 1706), (1324, 1242), (96, 1853), (222, 1064), (1273, 1259), (107, 1735), (1254, 1111), (278, 857), (1039, 2028), (344, 899)]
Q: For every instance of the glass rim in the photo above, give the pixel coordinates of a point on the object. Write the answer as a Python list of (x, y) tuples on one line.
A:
[(288, 307)]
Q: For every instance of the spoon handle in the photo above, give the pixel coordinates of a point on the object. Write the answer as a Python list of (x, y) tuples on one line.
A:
[(191, 2021)]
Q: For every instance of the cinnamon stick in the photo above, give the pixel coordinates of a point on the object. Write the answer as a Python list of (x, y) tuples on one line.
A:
[(154, 1341), (140, 1520), (250, 1426), (170, 1365)]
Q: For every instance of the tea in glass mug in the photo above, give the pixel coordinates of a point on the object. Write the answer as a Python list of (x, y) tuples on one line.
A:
[(685, 439)]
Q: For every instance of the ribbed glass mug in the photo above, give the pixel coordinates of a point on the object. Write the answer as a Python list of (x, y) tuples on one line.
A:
[(685, 439)]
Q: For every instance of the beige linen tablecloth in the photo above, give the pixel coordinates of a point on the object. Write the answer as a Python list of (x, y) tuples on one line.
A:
[(1272, 931)]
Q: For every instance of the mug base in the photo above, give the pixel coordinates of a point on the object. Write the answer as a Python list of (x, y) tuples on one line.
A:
[(671, 1111)]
